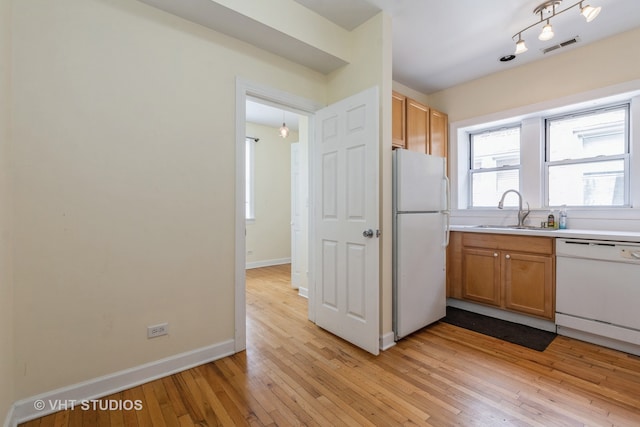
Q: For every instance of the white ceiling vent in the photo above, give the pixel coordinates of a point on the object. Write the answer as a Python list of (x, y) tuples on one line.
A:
[(565, 43)]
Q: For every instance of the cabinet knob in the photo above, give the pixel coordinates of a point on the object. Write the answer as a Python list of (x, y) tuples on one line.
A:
[(507, 256), (495, 254)]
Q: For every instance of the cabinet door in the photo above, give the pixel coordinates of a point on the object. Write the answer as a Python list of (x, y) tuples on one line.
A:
[(398, 126), (417, 126), (438, 133), (454, 265), (481, 275), (528, 283)]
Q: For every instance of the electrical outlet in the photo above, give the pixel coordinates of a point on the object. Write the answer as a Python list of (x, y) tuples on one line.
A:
[(157, 330)]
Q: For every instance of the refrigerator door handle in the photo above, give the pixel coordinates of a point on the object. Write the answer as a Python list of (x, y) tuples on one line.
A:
[(446, 231), (447, 211), (447, 193)]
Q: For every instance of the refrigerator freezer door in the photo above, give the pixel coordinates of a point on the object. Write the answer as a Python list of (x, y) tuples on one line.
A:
[(420, 184), (419, 282)]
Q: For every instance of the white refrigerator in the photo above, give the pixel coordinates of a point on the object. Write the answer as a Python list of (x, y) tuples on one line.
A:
[(421, 236)]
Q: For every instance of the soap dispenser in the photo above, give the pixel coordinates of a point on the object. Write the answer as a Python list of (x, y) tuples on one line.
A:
[(563, 218)]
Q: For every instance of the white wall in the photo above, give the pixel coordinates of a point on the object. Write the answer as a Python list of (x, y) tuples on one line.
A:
[(268, 239), (124, 130), (6, 280)]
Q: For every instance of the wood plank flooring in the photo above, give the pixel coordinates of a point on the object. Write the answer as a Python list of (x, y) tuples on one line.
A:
[(294, 373)]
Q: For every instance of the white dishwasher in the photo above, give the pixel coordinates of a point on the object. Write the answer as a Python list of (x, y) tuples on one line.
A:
[(598, 292)]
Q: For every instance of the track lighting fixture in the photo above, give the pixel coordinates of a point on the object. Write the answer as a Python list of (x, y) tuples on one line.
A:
[(549, 7)]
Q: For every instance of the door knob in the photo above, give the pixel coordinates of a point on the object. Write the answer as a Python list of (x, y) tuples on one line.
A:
[(368, 233)]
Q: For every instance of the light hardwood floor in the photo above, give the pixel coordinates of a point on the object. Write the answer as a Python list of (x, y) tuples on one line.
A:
[(294, 373)]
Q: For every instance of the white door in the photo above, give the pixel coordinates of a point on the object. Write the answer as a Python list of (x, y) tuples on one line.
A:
[(346, 220), (299, 215)]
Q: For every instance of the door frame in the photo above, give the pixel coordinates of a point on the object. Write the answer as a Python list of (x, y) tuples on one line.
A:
[(287, 101)]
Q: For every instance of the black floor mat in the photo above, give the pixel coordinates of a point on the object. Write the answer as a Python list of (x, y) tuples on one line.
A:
[(535, 339)]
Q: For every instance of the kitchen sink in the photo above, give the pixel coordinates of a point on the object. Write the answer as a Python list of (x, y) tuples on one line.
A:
[(513, 227)]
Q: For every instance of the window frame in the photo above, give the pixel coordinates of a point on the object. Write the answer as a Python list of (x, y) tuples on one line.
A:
[(471, 171), (625, 157)]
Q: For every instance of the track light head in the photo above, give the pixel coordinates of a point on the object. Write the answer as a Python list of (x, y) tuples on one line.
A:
[(520, 47), (589, 12), (547, 32)]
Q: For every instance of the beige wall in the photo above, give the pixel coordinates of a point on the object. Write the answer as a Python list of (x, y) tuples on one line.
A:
[(6, 280), (124, 121), (605, 63), (269, 236)]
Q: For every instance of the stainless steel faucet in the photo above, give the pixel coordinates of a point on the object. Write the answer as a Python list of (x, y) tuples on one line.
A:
[(521, 213)]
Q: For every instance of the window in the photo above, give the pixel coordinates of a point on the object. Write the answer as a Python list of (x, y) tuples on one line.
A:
[(494, 166), (587, 158), (249, 178)]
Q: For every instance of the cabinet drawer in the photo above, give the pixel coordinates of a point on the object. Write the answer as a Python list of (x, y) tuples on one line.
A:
[(530, 244)]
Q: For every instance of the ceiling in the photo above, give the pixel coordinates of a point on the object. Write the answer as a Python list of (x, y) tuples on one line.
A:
[(267, 115), (438, 44)]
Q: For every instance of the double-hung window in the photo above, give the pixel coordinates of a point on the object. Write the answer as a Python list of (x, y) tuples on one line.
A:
[(587, 158), (494, 165)]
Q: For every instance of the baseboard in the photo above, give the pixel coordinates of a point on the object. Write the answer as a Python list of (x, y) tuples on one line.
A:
[(303, 292), (24, 410), (267, 263), (387, 341), (599, 340)]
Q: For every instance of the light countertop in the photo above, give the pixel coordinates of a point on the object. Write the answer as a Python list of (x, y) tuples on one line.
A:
[(621, 236)]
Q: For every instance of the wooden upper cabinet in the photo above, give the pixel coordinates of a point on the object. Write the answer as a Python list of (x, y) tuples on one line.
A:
[(438, 133), (398, 125), (417, 126)]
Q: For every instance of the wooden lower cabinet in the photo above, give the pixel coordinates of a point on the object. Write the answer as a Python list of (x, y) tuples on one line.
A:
[(481, 276), (528, 283), (511, 272)]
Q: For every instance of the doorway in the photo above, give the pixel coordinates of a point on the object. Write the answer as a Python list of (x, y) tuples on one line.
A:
[(285, 102), (276, 190), (344, 180)]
